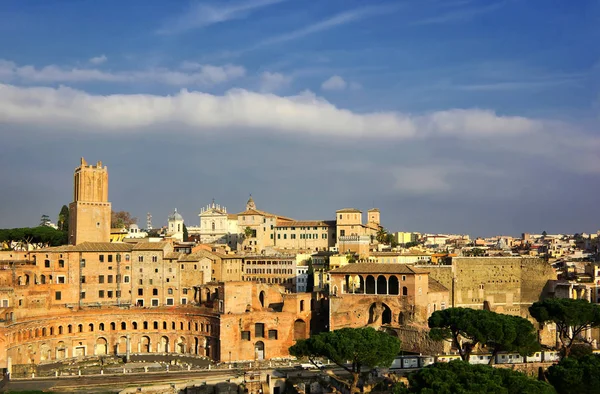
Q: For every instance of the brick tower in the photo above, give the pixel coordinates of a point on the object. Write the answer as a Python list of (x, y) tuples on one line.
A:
[(89, 213)]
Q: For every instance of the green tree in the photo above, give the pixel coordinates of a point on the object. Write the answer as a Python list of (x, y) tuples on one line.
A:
[(63, 219), (411, 244), (381, 236), (186, 236), (45, 220), (360, 346), (467, 328), (310, 280), (248, 232), (576, 375), (461, 377), (572, 318)]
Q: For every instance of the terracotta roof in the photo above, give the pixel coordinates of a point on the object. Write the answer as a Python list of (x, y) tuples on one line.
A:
[(193, 257), (150, 245), (305, 223), (398, 254), (435, 286), (262, 213), (91, 247), (377, 268), (232, 216), (354, 210), (172, 256)]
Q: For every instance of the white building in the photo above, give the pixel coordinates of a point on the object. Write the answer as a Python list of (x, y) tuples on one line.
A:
[(175, 226), (135, 232), (216, 226)]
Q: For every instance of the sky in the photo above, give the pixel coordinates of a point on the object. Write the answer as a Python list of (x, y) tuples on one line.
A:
[(451, 116)]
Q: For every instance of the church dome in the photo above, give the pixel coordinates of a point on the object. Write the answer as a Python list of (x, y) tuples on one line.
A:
[(250, 204), (175, 216)]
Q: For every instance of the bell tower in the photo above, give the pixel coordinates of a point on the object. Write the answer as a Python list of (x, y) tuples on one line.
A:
[(89, 213)]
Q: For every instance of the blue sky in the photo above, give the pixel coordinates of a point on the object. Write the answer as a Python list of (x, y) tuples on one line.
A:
[(462, 116)]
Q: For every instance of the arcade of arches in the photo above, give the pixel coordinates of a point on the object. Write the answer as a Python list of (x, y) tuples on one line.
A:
[(104, 333)]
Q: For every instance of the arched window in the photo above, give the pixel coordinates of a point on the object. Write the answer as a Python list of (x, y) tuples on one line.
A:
[(213, 226), (134, 324), (113, 326), (261, 298), (60, 330), (145, 325), (101, 326), (80, 328), (123, 326), (404, 290), (156, 325), (44, 331), (51, 330), (91, 327), (301, 305)]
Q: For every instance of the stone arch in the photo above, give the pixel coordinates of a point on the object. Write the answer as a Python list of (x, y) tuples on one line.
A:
[(163, 344), (44, 331), (180, 346), (196, 345), (45, 352), (122, 345), (370, 285), (80, 328), (61, 350), (43, 279), (60, 330), (404, 290), (145, 344), (70, 329), (381, 285), (393, 285), (380, 313), (101, 347), (261, 298), (299, 329), (259, 350), (134, 325)]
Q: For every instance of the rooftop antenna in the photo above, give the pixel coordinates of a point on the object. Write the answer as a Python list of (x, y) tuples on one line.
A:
[(149, 221)]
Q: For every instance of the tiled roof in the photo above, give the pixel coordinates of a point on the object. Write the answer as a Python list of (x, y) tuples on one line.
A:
[(172, 256), (353, 210), (305, 223), (377, 268), (435, 286), (232, 216), (262, 213), (150, 245), (91, 247)]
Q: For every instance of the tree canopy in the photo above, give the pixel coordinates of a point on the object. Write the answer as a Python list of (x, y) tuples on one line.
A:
[(63, 219), (576, 375), (464, 378), (186, 236), (467, 328), (360, 346), (26, 236), (121, 219), (572, 318)]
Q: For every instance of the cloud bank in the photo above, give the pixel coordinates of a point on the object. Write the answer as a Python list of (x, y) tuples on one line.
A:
[(192, 74)]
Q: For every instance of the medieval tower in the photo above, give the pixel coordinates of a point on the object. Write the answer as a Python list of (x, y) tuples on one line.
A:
[(89, 213)]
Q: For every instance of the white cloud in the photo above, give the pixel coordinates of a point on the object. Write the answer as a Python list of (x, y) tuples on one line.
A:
[(271, 82), (201, 75), (202, 15), (334, 83), (301, 114), (98, 59)]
